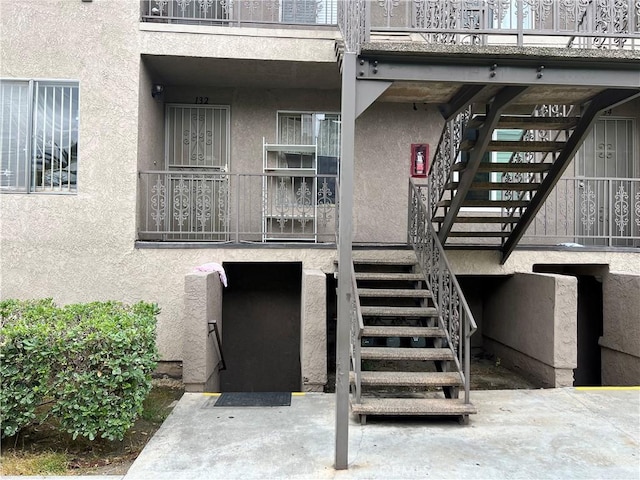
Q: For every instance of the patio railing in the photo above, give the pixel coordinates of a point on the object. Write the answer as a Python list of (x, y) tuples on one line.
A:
[(238, 12), (589, 211), (555, 23), (234, 208)]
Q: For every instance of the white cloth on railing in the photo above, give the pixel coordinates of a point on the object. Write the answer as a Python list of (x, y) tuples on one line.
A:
[(214, 267)]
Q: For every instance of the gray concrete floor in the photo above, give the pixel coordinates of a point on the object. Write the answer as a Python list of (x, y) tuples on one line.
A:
[(541, 434)]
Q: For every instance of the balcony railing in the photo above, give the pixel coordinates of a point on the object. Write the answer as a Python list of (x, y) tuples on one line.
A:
[(589, 211), (554, 23), (235, 208), (238, 12)]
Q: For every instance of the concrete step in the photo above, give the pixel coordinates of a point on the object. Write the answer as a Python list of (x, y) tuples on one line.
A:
[(507, 167), (387, 353), (412, 406), (375, 331), (513, 186), (411, 379), (399, 311), (480, 219), (487, 203), (522, 122), (393, 292), (480, 234), (384, 261), (516, 146), (410, 277)]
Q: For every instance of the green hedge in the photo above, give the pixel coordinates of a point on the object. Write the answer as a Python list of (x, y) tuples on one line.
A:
[(87, 365)]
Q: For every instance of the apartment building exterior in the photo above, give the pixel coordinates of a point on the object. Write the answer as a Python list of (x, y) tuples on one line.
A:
[(141, 140)]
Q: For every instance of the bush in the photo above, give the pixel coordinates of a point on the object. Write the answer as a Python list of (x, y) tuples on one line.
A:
[(87, 365)]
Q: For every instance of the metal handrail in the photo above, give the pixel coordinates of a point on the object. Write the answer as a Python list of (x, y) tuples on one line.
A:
[(221, 364), (454, 314), (357, 328)]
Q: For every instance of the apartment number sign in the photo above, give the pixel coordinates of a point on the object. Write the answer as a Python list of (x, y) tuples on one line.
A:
[(202, 100)]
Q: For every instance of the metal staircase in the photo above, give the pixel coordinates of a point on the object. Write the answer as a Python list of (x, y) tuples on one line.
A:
[(485, 191), (405, 355)]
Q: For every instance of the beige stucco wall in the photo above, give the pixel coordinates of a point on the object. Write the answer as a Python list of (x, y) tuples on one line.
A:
[(530, 323), (82, 247), (200, 353), (620, 342)]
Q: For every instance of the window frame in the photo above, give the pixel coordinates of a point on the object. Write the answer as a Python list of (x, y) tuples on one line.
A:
[(30, 187)]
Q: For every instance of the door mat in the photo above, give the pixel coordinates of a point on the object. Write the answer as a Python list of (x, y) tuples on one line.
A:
[(254, 399)]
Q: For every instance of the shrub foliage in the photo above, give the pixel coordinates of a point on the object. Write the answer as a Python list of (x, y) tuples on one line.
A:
[(87, 365)]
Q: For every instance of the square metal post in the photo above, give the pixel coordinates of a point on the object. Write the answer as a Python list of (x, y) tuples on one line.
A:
[(344, 259)]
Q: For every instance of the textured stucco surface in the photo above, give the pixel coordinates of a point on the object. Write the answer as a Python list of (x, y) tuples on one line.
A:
[(81, 247), (620, 341), (313, 331), (202, 304), (534, 316)]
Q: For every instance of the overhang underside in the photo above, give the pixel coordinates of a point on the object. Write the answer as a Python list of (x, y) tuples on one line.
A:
[(438, 93), (433, 75)]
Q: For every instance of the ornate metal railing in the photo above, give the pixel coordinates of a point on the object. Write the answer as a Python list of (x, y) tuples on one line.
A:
[(560, 23), (238, 12), (357, 327), (454, 315), (226, 207), (557, 111), (440, 173), (589, 211)]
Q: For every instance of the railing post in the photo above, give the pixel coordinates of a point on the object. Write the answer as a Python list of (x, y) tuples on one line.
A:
[(520, 20), (345, 260)]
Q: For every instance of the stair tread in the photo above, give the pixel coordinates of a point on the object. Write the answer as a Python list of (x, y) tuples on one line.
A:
[(411, 379), (394, 292), (506, 167), (381, 331), (384, 261), (513, 186), (460, 219), (385, 311), (528, 122), (483, 234), (516, 146), (388, 353), (487, 203), (412, 406), (389, 276)]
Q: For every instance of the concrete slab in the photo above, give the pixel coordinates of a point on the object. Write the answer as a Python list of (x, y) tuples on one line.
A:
[(557, 433)]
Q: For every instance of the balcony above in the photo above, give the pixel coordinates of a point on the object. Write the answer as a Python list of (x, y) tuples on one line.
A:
[(481, 23), (306, 13)]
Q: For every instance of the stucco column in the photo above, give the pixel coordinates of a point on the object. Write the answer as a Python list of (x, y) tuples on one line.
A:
[(202, 304), (620, 342), (530, 323), (313, 331)]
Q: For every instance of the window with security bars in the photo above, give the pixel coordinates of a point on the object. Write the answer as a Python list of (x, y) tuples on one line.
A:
[(320, 129), (38, 136)]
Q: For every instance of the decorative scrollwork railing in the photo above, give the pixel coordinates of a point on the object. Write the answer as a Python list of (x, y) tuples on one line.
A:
[(454, 315), (227, 207), (603, 24), (446, 155), (587, 211)]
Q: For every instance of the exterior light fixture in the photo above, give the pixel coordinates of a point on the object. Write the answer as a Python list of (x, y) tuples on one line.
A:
[(157, 90)]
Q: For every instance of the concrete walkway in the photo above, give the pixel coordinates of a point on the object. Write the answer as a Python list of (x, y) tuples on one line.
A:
[(558, 434)]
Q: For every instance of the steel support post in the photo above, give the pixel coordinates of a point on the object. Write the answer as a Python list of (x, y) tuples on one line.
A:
[(348, 112)]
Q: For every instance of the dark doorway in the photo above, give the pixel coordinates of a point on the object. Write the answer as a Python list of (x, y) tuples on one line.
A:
[(261, 327), (590, 319)]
